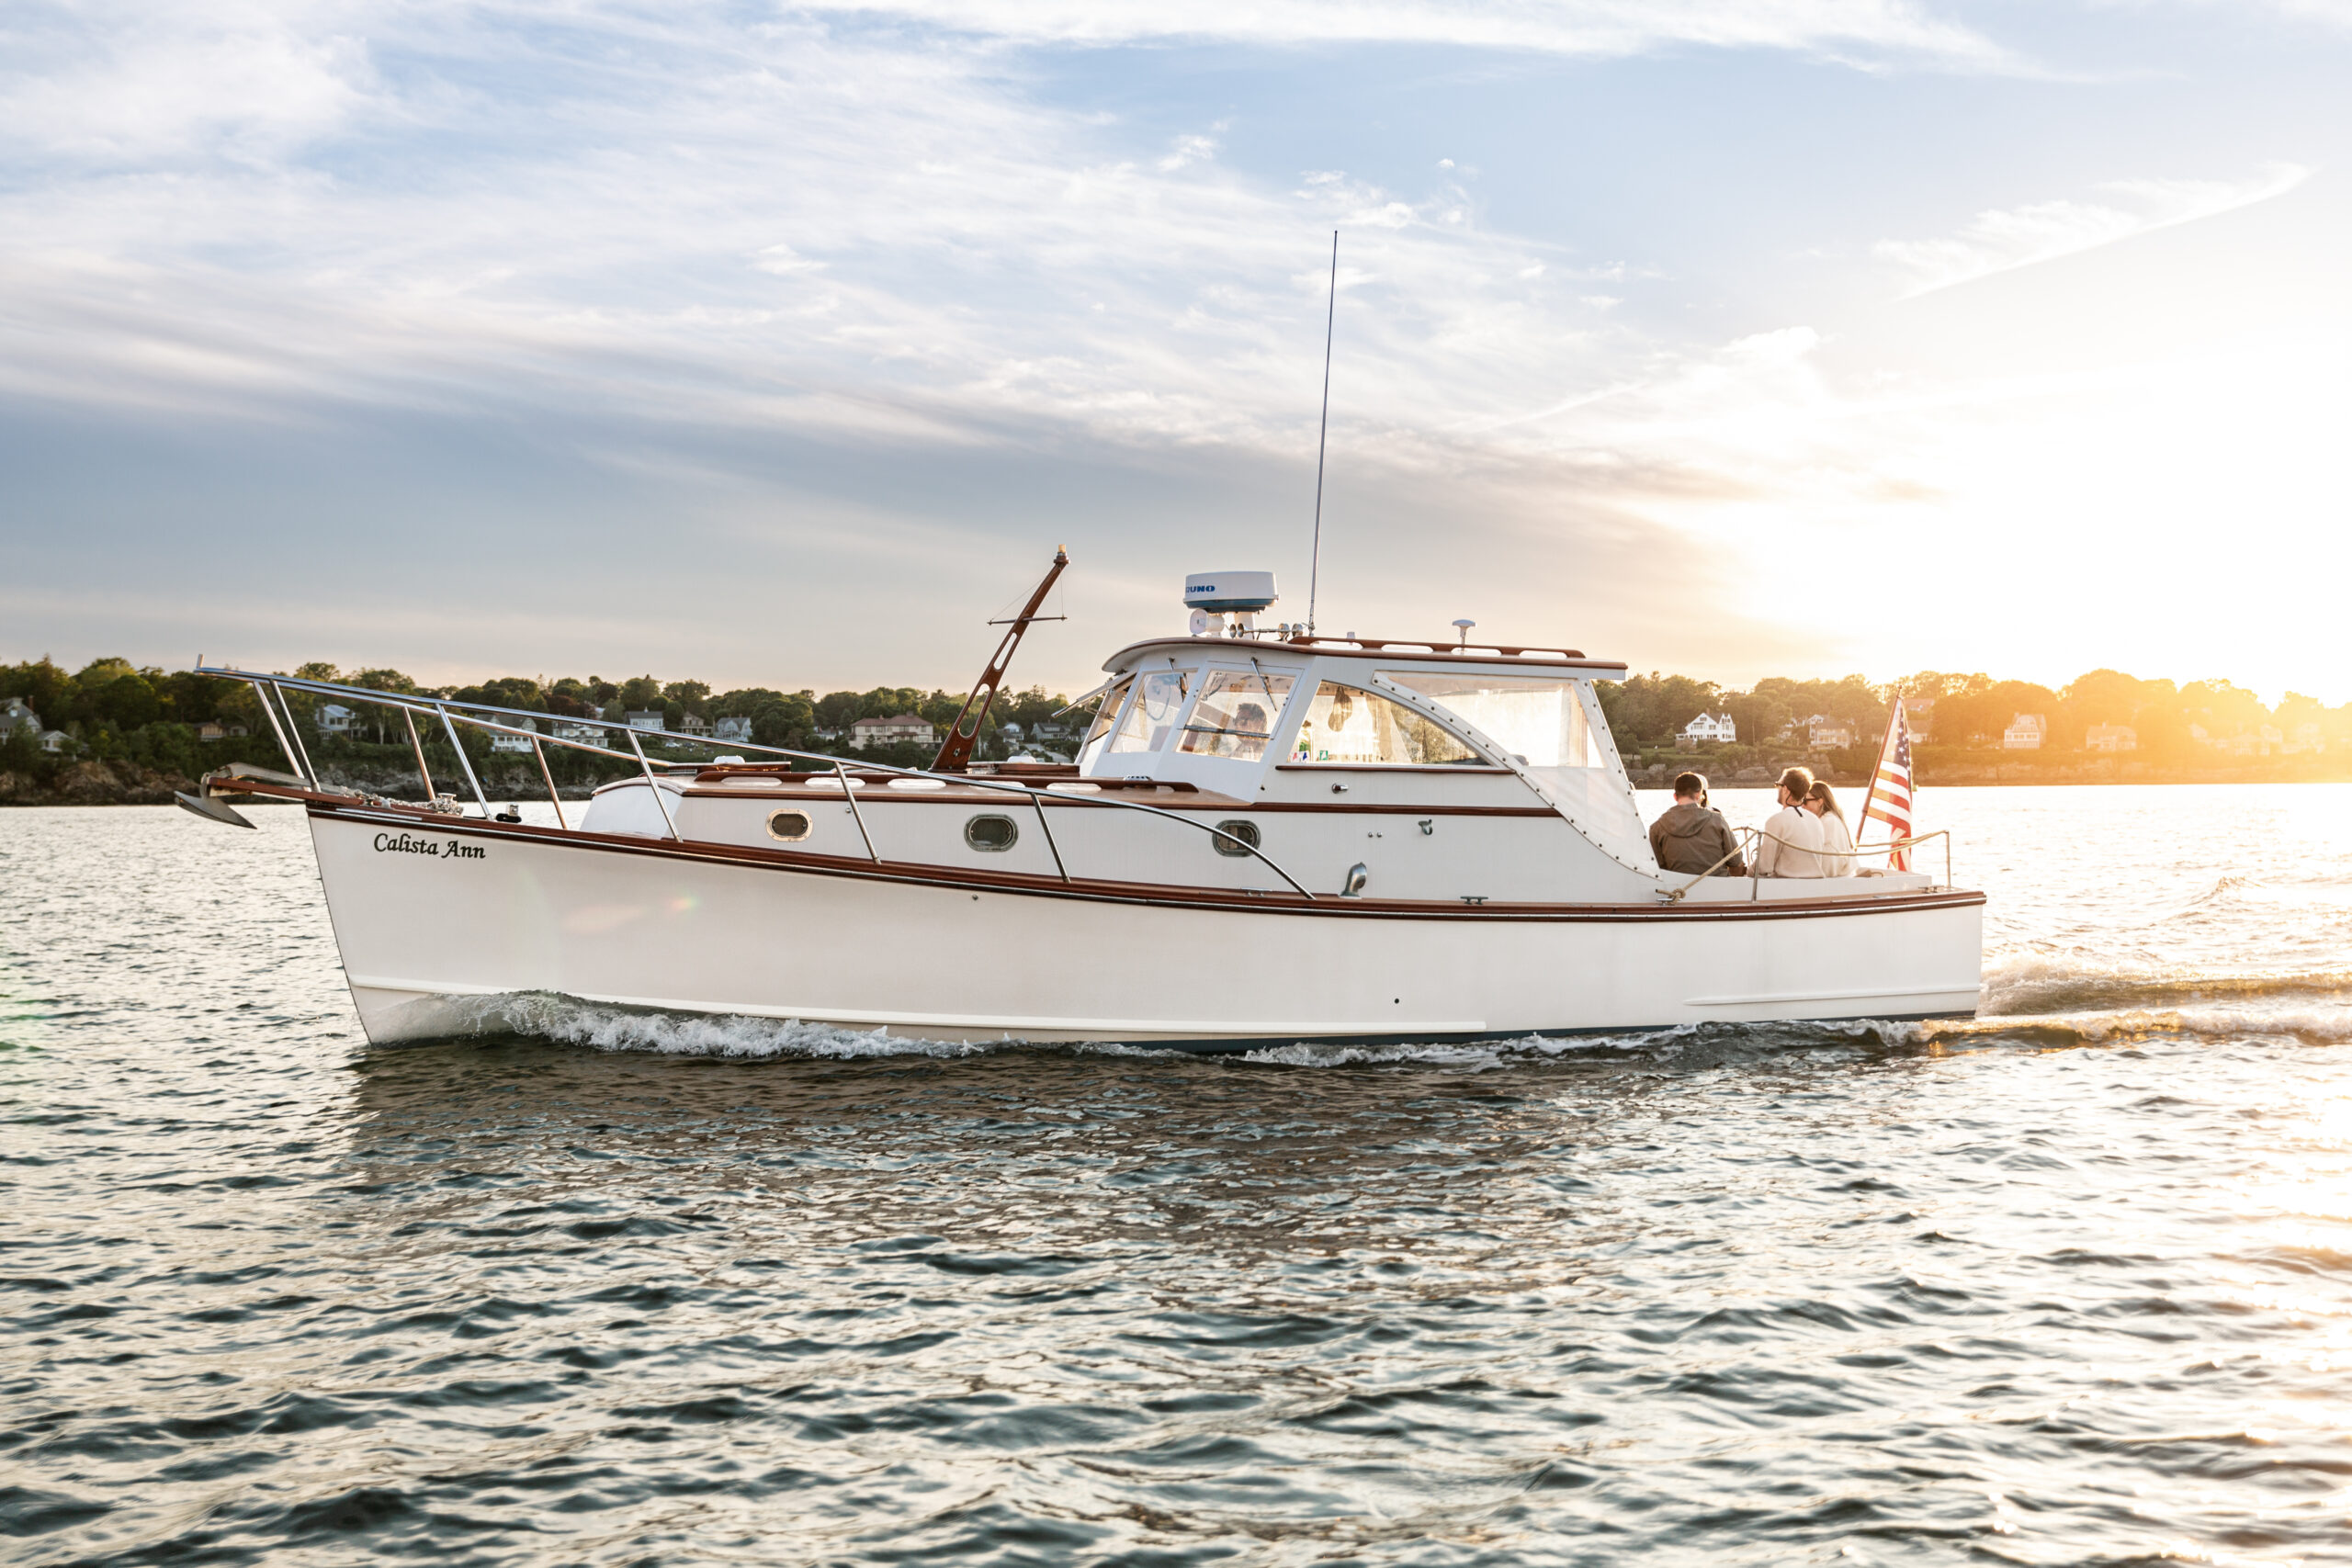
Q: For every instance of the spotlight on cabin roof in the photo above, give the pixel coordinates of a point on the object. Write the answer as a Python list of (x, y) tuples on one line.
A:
[(1221, 591)]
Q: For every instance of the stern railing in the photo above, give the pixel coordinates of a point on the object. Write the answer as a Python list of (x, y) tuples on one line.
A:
[(1755, 835)]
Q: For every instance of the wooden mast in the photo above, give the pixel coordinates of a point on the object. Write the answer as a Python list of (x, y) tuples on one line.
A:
[(956, 753)]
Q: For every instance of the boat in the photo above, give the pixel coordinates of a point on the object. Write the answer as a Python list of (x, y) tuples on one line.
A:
[(1268, 836)]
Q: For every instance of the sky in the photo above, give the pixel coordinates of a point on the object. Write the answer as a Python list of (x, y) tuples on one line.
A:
[(781, 345)]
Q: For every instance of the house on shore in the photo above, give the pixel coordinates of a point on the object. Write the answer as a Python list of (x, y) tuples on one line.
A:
[(15, 715), (211, 730), (1827, 734), (899, 727), (736, 728), (1715, 726), (2110, 738), (2024, 733), (515, 742)]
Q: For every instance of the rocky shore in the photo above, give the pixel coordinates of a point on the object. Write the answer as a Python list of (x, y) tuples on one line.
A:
[(125, 784)]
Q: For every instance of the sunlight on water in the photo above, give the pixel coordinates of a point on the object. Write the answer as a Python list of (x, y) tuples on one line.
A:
[(2063, 1284)]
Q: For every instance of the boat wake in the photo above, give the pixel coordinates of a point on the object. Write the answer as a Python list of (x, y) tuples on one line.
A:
[(599, 1026), (2037, 1000)]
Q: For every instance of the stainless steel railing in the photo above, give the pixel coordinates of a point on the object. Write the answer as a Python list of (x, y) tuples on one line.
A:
[(1755, 835), (451, 714)]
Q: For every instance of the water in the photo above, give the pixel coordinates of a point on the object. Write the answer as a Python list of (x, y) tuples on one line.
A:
[(2065, 1284)]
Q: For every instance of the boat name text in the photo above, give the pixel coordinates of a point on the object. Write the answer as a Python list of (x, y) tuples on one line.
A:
[(446, 849)]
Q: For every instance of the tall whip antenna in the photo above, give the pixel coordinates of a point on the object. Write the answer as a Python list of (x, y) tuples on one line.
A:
[(1331, 314)]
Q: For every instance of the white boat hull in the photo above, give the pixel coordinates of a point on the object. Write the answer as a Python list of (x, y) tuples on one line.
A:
[(474, 909)]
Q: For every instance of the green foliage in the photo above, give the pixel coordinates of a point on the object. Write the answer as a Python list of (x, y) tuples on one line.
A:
[(148, 717)]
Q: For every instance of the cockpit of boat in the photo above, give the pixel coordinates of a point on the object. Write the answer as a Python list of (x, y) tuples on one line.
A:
[(1302, 718)]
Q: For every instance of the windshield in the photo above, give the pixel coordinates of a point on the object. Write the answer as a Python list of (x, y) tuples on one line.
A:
[(1538, 719), (1158, 702), (1105, 716), (1344, 725), (1235, 717)]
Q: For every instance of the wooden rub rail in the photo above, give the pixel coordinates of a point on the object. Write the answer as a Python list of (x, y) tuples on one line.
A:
[(452, 713)]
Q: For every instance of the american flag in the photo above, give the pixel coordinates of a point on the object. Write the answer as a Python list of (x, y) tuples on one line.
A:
[(1890, 797)]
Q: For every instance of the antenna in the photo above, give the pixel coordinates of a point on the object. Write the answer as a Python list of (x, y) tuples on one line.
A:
[(1330, 315)]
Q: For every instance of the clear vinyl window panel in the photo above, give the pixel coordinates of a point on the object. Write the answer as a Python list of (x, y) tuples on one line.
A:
[(1345, 725), (1112, 705), (1160, 703), (1538, 719), (1235, 716)]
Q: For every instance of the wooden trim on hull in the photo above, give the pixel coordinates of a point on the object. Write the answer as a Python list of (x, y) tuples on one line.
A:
[(975, 880)]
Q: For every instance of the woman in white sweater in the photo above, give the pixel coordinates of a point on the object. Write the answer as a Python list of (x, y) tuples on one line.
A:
[(1836, 841)]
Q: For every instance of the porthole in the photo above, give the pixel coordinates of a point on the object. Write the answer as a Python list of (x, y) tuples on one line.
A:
[(992, 833), (1244, 831), (790, 825)]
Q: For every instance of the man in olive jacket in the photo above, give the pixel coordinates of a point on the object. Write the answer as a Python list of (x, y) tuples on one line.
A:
[(1691, 838)]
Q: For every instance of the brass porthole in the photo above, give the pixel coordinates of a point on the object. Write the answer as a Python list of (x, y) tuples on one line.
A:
[(789, 826)]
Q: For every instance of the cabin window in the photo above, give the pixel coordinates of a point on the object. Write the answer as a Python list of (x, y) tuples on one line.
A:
[(1244, 831), (1235, 717), (1105, 717), (1538, 719), (1160, 702), (992, 833), (1346, 725), (790, 825)]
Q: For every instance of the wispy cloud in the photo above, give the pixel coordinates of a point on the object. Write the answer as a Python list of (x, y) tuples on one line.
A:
[(1884, 29), (2003, 239)]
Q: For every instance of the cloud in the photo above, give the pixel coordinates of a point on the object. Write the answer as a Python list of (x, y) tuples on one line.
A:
[(1878, 29), (2002, 240)]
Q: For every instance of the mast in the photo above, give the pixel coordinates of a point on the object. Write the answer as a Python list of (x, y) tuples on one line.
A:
[(955, 752)]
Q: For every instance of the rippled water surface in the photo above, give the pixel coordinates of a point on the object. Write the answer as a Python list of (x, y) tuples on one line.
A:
[(2063, 1284)]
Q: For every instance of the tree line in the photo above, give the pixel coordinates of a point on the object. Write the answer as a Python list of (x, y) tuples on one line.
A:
[(115, 711), (1649, 711)]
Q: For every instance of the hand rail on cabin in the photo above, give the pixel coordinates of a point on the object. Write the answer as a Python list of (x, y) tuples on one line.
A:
[(411, 705), (1858, 851)]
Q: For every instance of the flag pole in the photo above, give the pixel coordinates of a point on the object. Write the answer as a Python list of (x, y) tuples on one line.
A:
[(1894, 711)]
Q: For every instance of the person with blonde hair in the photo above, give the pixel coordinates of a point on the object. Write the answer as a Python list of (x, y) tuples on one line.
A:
[(1837, 839), (1790, 834)]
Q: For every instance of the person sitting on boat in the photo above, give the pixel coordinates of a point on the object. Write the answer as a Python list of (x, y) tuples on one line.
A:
[(1691, 838), (1791, 834), (1837, 839)]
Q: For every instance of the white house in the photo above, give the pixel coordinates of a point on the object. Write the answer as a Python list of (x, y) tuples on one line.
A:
[(731, 729), (2305, 738), (1708, 726), (905, 727), (643, 718), (2110, 738), (335, 719), (55, 740), (1828, 733), (586, 734), (16, 716), (515, 742), (2024, 733), (694, 724), (1919, 714)]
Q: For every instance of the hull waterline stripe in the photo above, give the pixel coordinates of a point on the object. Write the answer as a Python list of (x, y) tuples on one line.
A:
[(1121, 1026), (1957, 988)]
